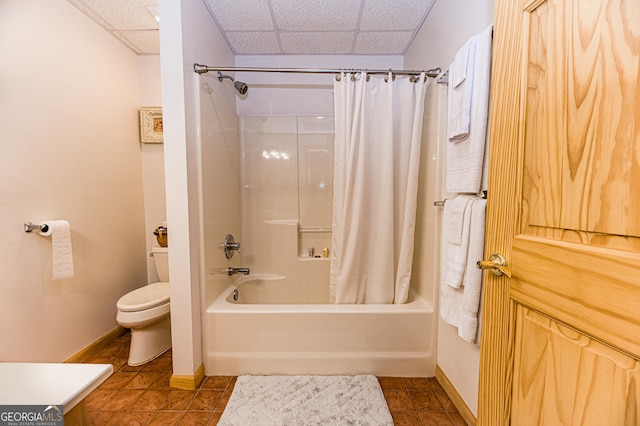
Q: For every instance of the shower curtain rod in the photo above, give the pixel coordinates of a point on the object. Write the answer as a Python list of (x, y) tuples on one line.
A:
[(201, 69)]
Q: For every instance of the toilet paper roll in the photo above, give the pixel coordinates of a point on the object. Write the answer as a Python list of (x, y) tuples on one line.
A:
[(48, 227), (61, 251)]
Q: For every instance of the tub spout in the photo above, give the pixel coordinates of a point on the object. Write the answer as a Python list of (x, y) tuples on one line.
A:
[(233, 271)]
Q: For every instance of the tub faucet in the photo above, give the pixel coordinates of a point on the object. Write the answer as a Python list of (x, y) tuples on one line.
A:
[(232, 271)]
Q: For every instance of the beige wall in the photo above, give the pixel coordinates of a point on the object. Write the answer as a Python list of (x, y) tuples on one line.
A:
[(448, 26), (69, 150), (155, 208)]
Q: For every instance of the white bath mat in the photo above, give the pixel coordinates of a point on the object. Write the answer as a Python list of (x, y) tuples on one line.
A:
[(306, 400)]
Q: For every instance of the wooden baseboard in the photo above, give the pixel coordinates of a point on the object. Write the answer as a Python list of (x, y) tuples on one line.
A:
[(455, 397), (96, 346), (187, 382)]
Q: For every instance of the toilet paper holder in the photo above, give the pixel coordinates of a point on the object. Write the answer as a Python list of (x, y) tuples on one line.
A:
[(29, 227)]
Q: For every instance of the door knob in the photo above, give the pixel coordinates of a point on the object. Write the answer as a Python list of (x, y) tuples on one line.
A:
[(497, 264)]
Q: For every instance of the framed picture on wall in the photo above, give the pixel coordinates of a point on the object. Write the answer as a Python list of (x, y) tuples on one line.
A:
[(151, 125)]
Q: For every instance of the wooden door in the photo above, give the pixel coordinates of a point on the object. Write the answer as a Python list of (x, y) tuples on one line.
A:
[(561, 338)]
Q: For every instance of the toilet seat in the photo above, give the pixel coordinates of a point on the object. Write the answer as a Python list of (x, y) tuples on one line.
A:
[(146, 297)]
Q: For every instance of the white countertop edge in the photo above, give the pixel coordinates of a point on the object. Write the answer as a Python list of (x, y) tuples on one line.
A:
[(100, 378), (35, 383)]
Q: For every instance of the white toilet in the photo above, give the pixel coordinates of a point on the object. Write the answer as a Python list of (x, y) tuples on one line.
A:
[(146, 312)]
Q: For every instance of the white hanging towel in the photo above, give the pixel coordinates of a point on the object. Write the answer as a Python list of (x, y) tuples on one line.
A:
[(466, 154), (468, 328), (61, 252), (460, 85), (456, 226), (460, 306)]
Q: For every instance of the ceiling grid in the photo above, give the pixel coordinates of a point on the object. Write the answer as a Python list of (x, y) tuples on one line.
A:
[(280, 27)]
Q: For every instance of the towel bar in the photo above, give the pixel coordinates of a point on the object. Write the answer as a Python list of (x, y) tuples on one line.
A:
[(441, 202), (443, 78)]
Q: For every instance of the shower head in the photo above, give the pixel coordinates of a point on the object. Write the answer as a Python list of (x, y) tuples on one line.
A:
[(239, 85)]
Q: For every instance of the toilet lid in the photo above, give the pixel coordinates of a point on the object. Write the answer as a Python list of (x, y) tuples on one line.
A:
[(146, 297)]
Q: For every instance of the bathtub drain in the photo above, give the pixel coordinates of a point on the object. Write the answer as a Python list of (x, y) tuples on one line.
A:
[(235, 294)]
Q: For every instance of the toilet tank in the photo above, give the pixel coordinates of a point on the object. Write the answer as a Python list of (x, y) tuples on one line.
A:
[(161, 259)]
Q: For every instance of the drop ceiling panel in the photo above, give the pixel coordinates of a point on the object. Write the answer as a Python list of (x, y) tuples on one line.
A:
[(241, 15), (319, 27), (321, 43), (254, 43), (266, 27), (121, 14), (393, 15), (144, 41), (390, 42), (316, 15)]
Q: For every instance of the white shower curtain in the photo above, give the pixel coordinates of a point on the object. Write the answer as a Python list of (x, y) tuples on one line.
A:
[(376, 163)]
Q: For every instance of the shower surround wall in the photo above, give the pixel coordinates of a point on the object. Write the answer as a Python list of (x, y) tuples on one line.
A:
[(219, 148), (274, 96), (292, 114), (287, 183), (220, 180), (291, 95)]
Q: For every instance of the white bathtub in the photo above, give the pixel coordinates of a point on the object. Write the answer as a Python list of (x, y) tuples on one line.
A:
[(298, 336)]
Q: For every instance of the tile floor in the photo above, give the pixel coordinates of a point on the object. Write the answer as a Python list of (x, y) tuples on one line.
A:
[(142, 396)]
